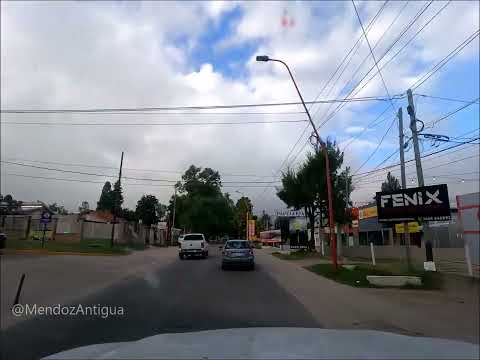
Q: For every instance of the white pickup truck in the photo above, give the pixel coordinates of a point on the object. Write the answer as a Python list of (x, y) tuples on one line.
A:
[(192, 245)]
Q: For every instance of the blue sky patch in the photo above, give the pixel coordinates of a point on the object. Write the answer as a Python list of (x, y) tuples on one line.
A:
[(229, 61)]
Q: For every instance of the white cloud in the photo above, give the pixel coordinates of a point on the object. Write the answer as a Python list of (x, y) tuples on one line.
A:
[(139, 54), (354, 129)]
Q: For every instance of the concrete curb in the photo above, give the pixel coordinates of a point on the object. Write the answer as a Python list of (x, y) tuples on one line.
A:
[(394, 280), (48, 252)]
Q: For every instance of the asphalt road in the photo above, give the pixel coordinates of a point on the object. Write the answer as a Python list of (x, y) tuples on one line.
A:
[(183, 296)]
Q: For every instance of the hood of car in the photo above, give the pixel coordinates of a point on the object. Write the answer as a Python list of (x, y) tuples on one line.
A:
[(277, 343)]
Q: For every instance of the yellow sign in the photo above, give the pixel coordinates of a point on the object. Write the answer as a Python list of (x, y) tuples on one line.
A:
[(367, 212), (413, 227), (251, 229)]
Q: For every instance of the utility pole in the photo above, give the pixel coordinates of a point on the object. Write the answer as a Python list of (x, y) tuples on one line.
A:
[(323, 145), (347, 200), (114, 209), (173, 217), (406, 234), (418, 163), (246, 229), (413, 127)]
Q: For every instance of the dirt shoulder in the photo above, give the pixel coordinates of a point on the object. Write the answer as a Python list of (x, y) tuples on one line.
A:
[(411, 312)]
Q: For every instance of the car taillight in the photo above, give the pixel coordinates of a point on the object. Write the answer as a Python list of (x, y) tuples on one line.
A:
[(203, 245)]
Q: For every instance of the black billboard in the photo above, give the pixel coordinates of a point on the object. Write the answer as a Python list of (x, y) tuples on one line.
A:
[(420, 203)]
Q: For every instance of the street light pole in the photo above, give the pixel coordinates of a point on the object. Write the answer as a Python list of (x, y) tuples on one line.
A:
[(331, 217), (173, 217)]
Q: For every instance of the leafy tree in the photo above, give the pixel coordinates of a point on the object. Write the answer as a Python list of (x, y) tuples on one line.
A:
[(129, 215), (84, 208), (391, 183), (200, 204), (111, 199), (242, 207), (105, 203), (161, 211), (8, 205), (58, 209), (307, 188), (117, 198), (147, 210), (265, 221)]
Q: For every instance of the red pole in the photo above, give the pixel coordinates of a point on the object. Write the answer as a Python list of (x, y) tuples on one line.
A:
[(331, 217)]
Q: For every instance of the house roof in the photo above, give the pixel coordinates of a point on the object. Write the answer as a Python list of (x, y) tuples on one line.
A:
[(98, 216)]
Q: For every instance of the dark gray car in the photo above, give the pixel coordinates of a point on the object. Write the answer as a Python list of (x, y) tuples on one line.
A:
[(238, 253)]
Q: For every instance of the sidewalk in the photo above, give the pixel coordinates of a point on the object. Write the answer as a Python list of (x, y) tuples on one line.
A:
[(64, 279), (410, 312)]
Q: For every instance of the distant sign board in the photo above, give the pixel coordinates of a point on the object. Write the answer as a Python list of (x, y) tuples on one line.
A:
[(46, 218), (368, 212), (419, 203), (299, 224), (290, 213), (413, 227), (251, 229)]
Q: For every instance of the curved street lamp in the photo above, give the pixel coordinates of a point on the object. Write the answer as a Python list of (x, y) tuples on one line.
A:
[(331, 218)]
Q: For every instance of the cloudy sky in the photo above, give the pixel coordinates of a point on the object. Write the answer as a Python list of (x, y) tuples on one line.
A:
[(110, 55)]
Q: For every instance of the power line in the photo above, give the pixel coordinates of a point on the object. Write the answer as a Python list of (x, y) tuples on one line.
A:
[(462, 136), (433, 122), (410, 160), (446, 98), (154, 124), (409, 41), (387, 158), (382, 177), (371, 53), (101, 182), (125, 177), (340, 106), (200, 112), (458, 180), (445, 60), (227, 174), (407, 27), (396, 54), (373, 175), (466, 141), (376, 148), (167, 108), (353, 48)]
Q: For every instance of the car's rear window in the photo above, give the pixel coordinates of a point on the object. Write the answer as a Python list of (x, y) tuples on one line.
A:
[(193, 237), (237, 245)]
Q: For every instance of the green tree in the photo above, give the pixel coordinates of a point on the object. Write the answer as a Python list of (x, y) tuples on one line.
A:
[(147, 210), (57, 209), (265, 221), (129, 215), (307, 188), (8, 205), (391, 183), (161, 211), (242, 207), (200, 204), (84, 208), (105, 203), (117, 198)]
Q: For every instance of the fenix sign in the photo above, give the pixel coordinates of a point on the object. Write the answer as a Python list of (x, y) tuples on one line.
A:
[(420, 203)]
